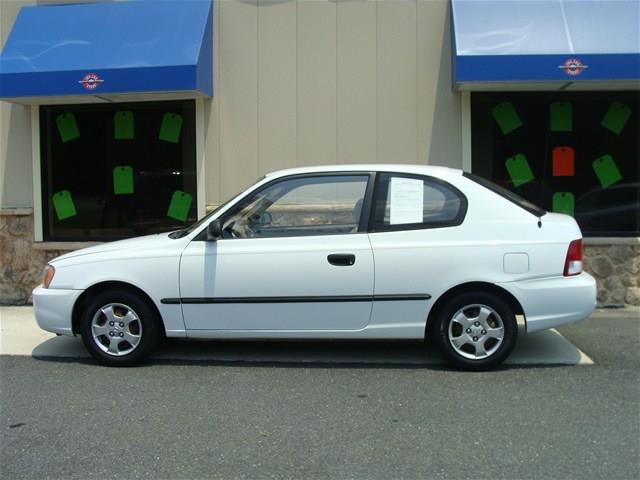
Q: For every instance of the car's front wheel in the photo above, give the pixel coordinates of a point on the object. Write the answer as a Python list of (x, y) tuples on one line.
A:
[(476, 331), (119, 329)]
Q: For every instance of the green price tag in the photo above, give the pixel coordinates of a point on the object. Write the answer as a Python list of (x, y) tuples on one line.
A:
[(170, 128), (122, 180), (63, 204), (606, 170), (179, 206), (506, 117), (563, 202), (519, 170), (616, 117), (67, 127), (561, 117), (123, 125)]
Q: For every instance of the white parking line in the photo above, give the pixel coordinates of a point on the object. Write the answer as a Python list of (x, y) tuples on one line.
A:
[(20, 335)]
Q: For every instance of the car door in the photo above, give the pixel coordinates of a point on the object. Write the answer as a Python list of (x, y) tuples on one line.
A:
[(294, 256), (414, 236)]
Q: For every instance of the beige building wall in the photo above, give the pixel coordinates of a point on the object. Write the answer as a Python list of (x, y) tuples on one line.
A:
[(312, 82), (16, 172)]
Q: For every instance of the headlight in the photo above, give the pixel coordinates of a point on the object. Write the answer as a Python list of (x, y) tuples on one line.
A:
[(49, 272)]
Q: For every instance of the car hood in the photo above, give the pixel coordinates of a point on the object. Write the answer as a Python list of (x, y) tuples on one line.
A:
[(146, 243)]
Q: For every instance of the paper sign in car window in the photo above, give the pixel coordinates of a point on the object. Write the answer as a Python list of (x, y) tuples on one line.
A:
[(563, 202), (171, 127), (519, 170), (179, 206), (606, 170), (616, 117), (122, 180), (123, 125), (563, 160), (406, 197), (63, 205), (67, 127), (561, 117), (506, 117)]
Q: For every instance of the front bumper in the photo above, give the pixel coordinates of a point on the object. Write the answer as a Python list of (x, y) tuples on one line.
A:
[(551, 302), (53, 308)]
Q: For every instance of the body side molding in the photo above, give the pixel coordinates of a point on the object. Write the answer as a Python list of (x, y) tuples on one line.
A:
[(297, 299)]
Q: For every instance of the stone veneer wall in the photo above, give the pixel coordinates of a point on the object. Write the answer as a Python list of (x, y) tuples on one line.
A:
[(20, 264), (616, 267), (617, 272)]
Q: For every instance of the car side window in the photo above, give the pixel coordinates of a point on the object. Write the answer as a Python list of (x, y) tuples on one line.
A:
[(411, 202), (300, 206)]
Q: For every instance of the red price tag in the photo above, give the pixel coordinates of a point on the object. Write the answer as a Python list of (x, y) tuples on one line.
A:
[(563, 162)]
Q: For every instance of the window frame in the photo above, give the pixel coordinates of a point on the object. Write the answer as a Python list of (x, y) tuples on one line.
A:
[(381, 228), (363, 222), (41, 163)]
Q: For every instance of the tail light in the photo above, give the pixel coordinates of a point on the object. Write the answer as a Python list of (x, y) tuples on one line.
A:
[(573, 262)]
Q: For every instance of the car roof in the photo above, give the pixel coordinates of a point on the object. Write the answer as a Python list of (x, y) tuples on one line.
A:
[(433, 170)]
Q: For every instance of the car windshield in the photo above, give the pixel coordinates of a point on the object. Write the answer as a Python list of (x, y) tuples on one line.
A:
[(508, 194), (187, 230)]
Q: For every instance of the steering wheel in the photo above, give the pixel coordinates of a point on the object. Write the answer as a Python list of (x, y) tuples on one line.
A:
[(235, 233), (231, 232)]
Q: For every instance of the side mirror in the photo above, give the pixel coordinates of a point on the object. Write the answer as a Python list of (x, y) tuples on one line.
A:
[(214, 231)]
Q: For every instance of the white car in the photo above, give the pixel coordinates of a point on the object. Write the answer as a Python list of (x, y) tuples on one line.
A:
[(335, 252)]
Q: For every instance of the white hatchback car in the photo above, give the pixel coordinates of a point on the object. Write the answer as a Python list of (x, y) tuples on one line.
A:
[(336, 252)]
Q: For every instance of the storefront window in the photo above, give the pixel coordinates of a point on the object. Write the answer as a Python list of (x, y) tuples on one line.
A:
[(117, 170), (570, 152)]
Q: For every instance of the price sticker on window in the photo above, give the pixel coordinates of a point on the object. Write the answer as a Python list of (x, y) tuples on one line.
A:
[(179, 206), (406, 200), (519, 170), (563, 160), (616, 117), (171, 127), (563, 202), (63, 205), (606, 170), (561, 117), (123, 125), (506, 117), (122, 180), (67, 127)]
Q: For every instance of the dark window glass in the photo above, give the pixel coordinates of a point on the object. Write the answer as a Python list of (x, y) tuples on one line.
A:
[(300, 206), (411, 201), (112, 171), (568, 152)]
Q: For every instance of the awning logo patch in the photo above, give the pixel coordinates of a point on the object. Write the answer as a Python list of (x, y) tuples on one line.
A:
[(573, 67), (91, 81)]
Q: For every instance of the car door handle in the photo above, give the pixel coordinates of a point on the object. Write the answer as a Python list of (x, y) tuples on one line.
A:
[(342, 259)]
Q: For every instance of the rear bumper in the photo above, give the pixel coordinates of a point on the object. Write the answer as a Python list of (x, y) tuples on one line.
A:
[(53, 308), (551, 302)]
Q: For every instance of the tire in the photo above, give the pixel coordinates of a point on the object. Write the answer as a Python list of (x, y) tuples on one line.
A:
[(476, 330), (119, 329)]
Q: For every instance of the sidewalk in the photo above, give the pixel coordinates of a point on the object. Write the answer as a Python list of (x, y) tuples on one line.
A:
[(20, 335)]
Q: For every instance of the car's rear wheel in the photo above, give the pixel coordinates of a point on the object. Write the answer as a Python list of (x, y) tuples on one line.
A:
[(476, 331), (119, 329)]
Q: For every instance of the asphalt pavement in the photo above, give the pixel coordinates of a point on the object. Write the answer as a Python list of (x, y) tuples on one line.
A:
[(192, 418)]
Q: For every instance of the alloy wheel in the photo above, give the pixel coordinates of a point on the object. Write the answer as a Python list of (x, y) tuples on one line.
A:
[(476, 331), (116, 329)]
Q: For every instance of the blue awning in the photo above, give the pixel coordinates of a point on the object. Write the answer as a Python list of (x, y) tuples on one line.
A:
[(106, 48), (546, 44)]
